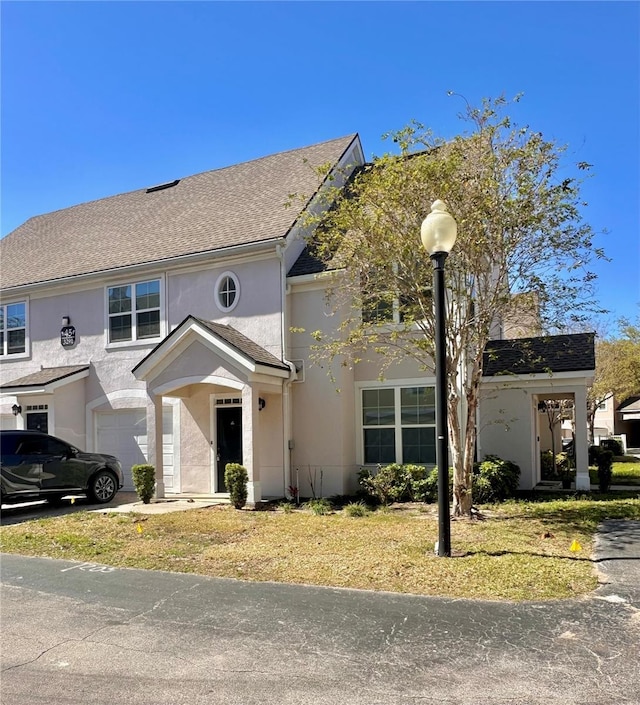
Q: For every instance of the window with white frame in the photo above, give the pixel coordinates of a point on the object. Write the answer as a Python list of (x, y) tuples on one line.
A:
[(13, 328), (134, 311), (398, 425), (227, 291)]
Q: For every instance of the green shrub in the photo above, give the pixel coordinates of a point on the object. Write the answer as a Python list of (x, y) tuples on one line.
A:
[(426, 489), (612, 444), (494, 480), (395, 483), (594, 452), (319, 506), (389, 484), (144, 481), (236, 479), (605, 465), (356, 509), (546, 465)]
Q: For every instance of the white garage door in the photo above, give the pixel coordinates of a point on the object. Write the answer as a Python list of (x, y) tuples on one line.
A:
[(123, 433)]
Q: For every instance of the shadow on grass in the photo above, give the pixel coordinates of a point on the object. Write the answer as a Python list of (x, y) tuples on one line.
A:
[(535, 554)]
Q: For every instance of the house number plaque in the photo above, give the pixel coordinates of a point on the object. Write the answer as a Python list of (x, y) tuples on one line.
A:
[(68, 336)]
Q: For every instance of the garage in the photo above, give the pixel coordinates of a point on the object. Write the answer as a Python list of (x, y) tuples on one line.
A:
[(123, 433)]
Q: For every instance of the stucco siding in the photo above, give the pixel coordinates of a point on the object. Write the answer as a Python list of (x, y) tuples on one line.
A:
[(505, 430), (69, 403), (195, 437), (323, 417), (257, 313)]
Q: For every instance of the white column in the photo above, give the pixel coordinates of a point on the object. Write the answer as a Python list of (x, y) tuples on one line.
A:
[(581, 442), (250, 443), (154, 440)]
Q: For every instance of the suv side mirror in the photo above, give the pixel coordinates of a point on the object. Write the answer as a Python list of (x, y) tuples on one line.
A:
[(72, 452)]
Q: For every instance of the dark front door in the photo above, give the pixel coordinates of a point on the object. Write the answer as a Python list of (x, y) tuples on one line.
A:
[(38, 421), (229, 441)]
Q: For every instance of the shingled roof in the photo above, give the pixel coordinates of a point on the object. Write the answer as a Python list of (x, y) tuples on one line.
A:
[(45, 376), (242, 344), (235, 205), (545, 354)]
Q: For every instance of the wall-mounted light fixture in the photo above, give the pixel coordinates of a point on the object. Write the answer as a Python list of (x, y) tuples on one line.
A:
[(261, 403), (16, 409), (66, 320)]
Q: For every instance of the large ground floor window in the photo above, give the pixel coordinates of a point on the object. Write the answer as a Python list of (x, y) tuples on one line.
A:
[(398, 425)]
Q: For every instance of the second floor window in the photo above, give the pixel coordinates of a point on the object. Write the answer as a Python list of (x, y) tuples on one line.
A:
[(134, 311), (13, 328)]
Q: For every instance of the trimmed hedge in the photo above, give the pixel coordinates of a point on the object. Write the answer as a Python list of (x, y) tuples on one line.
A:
[(236, 479), (144, 481)]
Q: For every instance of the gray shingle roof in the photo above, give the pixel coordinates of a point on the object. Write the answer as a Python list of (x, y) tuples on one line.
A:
[(551, 353), (45, 376), (307, 263), (242, 344), (235, 205)]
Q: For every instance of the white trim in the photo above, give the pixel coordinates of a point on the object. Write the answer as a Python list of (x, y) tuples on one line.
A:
[(396, 385), (549, 379), (179, 341), (213, 436), (27, 337), (137, 270), (228, 274), (50, 411), (135, 342), (47, 388), (175, 384)]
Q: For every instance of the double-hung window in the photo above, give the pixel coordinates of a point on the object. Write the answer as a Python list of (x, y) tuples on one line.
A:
[(13, 328), (134, 311), (398, 425)]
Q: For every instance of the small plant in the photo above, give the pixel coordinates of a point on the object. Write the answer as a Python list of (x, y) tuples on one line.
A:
[(564, 466), (605, 465), (287, 507), (144, 481), (294, 493), (319, 506), (236, 479), (356, 509)]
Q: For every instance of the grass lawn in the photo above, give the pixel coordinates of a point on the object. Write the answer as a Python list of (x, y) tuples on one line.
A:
[(518, 551), (624, 473)]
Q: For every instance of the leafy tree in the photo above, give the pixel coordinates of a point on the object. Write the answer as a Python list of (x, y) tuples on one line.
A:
[(617, 369), (523, 250)]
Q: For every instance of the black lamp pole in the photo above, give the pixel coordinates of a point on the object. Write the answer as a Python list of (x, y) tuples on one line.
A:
[(438, 234), (442, 441)]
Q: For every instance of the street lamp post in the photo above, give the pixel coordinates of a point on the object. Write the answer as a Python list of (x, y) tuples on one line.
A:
[(438, 235)]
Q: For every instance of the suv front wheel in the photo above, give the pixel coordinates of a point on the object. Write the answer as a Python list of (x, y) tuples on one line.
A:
[(102, 487)]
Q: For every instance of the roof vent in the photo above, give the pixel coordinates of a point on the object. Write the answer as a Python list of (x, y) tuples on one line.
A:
[(162, 187)]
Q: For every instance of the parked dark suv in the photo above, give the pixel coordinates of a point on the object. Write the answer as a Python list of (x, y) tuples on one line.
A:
[(35, 465)]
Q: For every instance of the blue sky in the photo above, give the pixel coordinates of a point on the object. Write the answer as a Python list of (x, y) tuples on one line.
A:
[(100, 98)]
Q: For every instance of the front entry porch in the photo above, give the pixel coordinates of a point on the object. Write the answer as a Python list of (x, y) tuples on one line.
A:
[(231, 405)]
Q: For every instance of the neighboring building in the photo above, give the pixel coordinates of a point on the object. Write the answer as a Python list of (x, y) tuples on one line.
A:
[(618, 419), (156, 325)]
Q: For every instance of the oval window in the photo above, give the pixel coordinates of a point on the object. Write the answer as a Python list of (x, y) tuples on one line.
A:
[(227, 291)]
